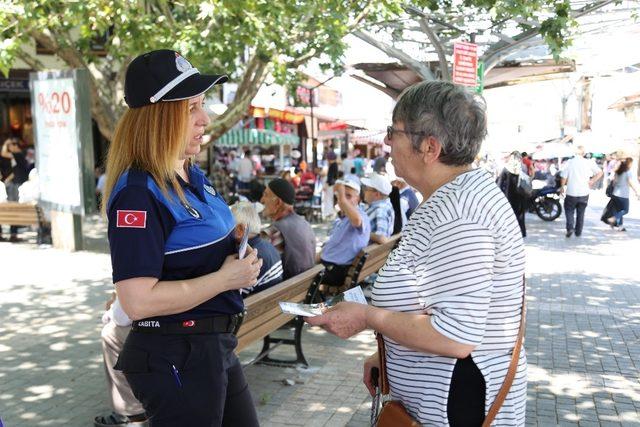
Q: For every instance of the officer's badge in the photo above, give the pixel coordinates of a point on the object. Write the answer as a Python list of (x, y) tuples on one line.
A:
[(182, 64), (209, 189), (192, 211)]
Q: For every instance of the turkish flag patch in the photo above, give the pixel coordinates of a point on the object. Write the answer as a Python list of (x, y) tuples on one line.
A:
[(132, 219)]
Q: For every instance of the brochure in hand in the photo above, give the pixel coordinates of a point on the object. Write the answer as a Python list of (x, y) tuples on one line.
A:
[(310, 310)]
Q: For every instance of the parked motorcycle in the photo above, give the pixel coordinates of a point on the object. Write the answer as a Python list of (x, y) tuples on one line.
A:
[(545, 202)]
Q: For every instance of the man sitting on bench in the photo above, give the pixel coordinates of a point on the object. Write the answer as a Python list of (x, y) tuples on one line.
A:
[(350, 233), (380, 211)]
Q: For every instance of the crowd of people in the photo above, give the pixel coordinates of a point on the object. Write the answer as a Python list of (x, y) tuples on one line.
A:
[(448, 304), (180, 281)]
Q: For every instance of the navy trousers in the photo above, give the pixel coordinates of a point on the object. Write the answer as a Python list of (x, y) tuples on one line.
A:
[(575, 206), (188, 380)]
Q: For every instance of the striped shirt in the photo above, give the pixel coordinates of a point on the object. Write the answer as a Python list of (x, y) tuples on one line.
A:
[(381, 217), (461, 260)]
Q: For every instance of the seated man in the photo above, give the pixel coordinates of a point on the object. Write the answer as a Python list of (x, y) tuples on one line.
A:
[(246, 216), (289, 233), (350, 234), (408, 194), (127, 410), (380, 211)]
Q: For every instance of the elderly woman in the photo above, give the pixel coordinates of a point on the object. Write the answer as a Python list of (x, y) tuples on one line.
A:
[(448, 302)]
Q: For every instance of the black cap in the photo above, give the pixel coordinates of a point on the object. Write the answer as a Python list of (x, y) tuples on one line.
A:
[(164, 75), (284, 190)]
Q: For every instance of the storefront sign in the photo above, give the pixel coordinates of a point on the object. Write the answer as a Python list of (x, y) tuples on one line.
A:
[(64, 144), (14, 85), (465, 64)]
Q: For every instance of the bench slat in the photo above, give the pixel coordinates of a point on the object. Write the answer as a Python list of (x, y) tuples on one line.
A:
[(269, 312), (262, 331), (14, 213)]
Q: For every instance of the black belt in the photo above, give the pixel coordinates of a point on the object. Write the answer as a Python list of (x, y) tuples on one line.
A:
[(229, 323)]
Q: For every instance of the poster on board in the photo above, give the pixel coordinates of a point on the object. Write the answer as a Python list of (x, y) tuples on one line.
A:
[(64, 141)]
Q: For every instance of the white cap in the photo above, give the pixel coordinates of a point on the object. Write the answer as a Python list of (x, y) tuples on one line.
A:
[(350, 181), (378, 182)]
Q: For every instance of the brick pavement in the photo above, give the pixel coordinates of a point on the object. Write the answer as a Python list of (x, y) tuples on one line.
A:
[(582, 338)]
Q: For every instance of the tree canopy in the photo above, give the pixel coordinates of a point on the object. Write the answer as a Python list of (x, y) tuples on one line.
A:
[(425, 32), (247, 39)]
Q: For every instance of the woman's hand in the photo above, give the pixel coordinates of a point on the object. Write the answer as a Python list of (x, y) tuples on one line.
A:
[(241, 273), (344, 320), (371, 362)]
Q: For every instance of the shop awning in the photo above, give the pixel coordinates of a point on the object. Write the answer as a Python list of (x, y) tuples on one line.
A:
[(363, 136), (239, 137)]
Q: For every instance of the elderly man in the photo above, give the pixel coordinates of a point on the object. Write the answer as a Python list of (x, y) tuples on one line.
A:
[(380, 211), (290, 233), (349, 235), (248, 221), (580, 175)]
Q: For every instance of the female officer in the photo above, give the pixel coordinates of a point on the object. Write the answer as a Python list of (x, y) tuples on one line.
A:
[(173, 253)]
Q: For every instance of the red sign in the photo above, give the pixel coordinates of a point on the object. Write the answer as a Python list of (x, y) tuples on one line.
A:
[(465, 64), (132, 219)]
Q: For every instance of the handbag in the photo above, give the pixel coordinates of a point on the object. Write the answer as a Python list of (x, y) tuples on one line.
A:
[(394, 414), (610, 187)]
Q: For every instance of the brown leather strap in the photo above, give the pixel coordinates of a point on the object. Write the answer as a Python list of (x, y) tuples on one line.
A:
[(382, 358), (513, 366)]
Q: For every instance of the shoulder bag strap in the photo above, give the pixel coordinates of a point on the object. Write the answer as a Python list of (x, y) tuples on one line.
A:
[(382, 357), (513, 366)]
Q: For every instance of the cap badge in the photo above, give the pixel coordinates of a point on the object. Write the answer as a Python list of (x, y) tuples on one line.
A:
[(182, 64)]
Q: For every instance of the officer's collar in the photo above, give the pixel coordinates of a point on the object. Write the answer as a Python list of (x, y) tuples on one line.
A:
[(196, 182)]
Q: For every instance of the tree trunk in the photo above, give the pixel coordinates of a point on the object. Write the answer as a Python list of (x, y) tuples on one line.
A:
[(257, 71)]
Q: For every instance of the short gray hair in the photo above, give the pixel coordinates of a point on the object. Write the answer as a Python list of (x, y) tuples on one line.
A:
[(449, 113), (245, 213)]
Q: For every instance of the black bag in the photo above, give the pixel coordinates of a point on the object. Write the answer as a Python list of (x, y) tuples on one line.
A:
[(610, 187), (609, 210)]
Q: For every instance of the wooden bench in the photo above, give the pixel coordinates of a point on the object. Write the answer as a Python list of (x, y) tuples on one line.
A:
[(263, 316), (367, 262), (14, 213)]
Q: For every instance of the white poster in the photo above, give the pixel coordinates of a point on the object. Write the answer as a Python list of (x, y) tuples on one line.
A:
[(57, 140)]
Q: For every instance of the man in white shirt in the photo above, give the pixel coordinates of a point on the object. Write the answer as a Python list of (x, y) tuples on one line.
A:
[(579, 175), (245, 172)]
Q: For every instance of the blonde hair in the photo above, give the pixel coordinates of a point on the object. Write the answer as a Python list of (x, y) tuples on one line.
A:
[(150, 138)]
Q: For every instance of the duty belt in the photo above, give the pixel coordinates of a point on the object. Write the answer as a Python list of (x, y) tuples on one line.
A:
[(218, 324)]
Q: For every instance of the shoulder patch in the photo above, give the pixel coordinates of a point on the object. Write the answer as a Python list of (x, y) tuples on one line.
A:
[(131, 219)]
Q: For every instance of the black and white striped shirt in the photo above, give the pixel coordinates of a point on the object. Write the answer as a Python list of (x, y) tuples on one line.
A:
[(461, 259)]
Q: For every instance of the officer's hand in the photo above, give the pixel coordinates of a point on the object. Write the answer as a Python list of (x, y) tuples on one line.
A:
[(240, 273)]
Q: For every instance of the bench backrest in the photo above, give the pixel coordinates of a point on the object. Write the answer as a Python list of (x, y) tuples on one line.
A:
[(263, 312), (14, 213), (375, 255)]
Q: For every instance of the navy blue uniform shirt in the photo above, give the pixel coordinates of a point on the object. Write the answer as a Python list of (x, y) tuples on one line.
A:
[(154, 236)]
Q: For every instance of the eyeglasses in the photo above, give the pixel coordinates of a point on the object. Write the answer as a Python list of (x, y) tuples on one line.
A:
[(391, 130)]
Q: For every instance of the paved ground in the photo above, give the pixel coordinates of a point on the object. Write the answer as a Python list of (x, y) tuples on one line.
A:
[(583, 337)]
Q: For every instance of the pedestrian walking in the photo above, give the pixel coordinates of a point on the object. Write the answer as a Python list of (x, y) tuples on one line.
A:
[(579, 175), (174, 257), (623, 179), (508, 182), (448, 302)]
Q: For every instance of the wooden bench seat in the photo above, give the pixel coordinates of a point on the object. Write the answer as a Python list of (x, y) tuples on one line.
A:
[(263, 315), (22, 214)]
